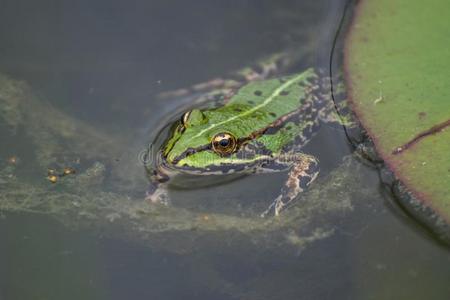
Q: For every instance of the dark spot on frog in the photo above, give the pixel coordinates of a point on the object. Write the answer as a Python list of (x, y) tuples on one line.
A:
[(250, 102), (273, 114), (284, 93), (282, 80), (238, 109), (422, 115), (301, 84), (288, 127), (258, 93)]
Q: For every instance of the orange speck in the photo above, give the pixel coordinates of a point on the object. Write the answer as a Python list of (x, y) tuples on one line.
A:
[(12, 160), (52, 178), (68, 171)]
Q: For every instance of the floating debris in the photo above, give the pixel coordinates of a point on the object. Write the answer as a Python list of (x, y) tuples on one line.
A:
[(53, 175), (68, 171), (13, 160), (52, 178)]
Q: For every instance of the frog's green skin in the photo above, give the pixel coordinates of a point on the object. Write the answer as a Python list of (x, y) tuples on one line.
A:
[(271, 120)]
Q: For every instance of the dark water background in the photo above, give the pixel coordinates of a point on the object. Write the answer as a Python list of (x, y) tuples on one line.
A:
[(103, 62)]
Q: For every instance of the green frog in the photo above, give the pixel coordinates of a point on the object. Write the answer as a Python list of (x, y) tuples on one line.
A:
[(257, 127)]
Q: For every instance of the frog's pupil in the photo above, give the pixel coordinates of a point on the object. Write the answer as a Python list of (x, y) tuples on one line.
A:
[(224, 142)]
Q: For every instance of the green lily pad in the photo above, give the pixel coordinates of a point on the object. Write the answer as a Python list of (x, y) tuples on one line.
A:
[(397, 55)]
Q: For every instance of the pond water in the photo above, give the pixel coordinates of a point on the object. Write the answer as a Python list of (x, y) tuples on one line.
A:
[(99, 66)]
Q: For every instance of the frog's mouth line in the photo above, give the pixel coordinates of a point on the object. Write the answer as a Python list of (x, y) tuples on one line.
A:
[(247, 161), (190, 151), (219, 169), (208, 147)]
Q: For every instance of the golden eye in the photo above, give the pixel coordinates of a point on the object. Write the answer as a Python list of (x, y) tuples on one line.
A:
[(224, 143)]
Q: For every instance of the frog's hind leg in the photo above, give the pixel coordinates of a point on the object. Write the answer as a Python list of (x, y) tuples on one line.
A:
[(304, 170), (334, 108), (338, 115)]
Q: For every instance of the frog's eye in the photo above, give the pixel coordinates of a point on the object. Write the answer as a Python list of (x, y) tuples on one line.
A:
[(224, 143)]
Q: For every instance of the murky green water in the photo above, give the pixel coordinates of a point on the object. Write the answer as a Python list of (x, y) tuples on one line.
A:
[(91, 72)]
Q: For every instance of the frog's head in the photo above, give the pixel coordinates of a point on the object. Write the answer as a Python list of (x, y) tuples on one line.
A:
[(209, 142)]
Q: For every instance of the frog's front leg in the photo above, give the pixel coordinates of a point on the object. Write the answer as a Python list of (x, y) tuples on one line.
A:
[(157, 191), (304, 170)]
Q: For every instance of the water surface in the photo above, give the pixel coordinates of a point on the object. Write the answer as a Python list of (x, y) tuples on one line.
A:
[(103, 63)]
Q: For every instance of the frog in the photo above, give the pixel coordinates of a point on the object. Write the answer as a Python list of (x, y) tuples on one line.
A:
[(257, 127)]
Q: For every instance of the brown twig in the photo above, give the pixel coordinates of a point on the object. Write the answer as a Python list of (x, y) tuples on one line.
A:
[(433, 130)]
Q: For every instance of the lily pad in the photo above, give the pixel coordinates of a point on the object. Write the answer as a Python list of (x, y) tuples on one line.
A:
[(397, 54)]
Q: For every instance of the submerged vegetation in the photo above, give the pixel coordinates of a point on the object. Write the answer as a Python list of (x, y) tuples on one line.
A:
[(84, 200)]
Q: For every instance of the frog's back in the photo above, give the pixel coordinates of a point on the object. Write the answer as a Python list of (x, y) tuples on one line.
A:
[(254, 108), (261, 103)]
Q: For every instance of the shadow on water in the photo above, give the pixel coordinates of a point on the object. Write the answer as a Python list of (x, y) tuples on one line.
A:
[(103, 63)]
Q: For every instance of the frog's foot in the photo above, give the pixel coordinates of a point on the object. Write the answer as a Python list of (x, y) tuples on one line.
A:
[(158, 195), (157, 191), (303, 172)]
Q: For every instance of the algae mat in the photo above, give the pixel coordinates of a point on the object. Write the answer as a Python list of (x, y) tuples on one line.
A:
[(397, 57)]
